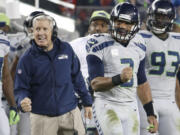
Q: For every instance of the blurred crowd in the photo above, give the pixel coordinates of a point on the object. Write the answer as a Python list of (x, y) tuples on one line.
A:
[(84, 8)]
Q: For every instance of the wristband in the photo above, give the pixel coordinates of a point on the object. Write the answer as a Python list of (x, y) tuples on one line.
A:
[(116, 80), (13, 108), (149, 109)]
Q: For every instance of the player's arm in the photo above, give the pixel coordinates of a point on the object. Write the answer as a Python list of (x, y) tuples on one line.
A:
[(144, 94), (13, 67), (7, 83), (96, 73), (177, 94), (7, 86)]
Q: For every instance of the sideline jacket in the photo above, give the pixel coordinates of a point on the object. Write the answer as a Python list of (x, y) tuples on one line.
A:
[(50, 80)]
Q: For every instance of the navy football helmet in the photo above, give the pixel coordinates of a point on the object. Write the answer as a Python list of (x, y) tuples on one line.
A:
[(127, 13), (160, 17)]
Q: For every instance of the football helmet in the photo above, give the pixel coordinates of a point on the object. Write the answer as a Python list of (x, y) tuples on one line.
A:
[(127, 13), (160, 16)]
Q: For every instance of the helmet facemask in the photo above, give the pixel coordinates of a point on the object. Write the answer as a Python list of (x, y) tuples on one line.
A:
[(124, 22), (160, 23), (121, 34), (161, 15)]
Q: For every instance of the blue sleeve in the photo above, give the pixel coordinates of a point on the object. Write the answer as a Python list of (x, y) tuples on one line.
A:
[(141, 75), (95, 66), (79, 83), (22, 80), (178, 75)]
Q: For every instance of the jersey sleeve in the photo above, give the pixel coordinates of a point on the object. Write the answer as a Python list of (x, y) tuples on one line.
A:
[(95, 51), (4, 45), (139, 45), (94, 46)]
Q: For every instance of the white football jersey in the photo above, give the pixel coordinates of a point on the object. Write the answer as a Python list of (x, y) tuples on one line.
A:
[(19, 43), (115, 58), (15, 39), (4, 49), (79, 47), (162, 63)]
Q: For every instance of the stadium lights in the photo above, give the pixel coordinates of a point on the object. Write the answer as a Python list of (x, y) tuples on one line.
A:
[(62, 3)]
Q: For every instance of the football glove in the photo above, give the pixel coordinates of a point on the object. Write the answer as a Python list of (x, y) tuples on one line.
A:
[(13, 116)]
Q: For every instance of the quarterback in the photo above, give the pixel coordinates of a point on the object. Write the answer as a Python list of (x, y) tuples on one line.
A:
[(116, 69)]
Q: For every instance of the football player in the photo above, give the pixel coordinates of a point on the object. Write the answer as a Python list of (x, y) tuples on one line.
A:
[(6, 83), (162, 64), (116, 69)]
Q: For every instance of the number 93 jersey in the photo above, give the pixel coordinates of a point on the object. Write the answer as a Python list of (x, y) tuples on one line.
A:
[(115, 57), (162, 63), (4, 49)]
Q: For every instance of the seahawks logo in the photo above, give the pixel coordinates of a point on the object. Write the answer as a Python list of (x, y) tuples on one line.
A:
[(91, 42)]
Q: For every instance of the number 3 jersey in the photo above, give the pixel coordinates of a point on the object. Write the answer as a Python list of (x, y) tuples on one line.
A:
[(4, 49), (162, 63), (115, 58)]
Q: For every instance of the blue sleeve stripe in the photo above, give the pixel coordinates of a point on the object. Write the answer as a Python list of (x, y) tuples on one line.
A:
[(141, 46), (141, 75), (95, 66), (4, 42), (102, 46), (16, 49), (176, 37), (13, 49), (145, 35)]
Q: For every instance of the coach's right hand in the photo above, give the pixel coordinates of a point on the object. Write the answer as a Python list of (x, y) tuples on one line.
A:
[(26, 104), (127, 74)]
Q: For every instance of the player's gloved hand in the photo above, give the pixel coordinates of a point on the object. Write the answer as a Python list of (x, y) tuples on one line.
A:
[(13, 116), (127, 74)]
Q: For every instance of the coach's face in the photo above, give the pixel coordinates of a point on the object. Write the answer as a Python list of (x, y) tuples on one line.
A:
[(42, 32)]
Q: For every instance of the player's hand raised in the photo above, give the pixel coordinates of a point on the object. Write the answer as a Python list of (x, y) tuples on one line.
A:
[(127, 74)]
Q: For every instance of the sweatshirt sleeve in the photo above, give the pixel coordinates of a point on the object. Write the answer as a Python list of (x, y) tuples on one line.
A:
[(79, 83), (22, 80)]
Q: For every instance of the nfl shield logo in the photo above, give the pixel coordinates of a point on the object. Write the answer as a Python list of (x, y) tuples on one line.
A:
[(19, 71)]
